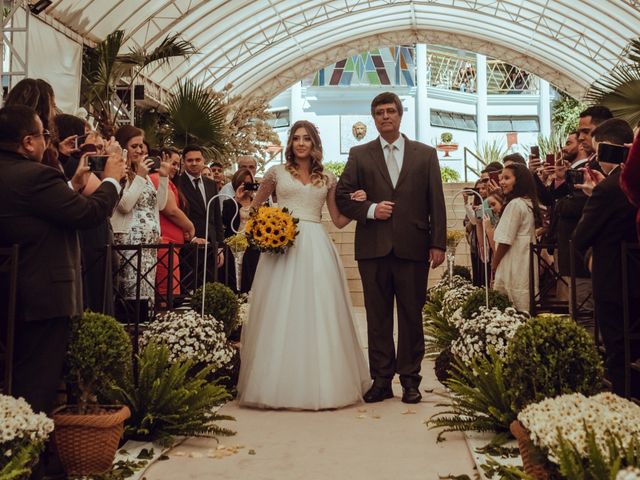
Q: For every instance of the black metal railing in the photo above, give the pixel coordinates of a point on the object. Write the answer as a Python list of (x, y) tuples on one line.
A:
[(542, 297), (9, 274)]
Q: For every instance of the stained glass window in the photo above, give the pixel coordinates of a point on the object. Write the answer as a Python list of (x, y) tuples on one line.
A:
[(381, 66)]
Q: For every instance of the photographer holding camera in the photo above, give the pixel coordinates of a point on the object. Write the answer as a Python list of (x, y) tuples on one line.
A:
[(244, 186), (607, 221), (40, 213)]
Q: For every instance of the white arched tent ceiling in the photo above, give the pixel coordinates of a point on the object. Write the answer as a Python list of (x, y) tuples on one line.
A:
[(264, 46)]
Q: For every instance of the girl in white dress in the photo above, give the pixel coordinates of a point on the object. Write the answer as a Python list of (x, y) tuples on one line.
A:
[(299, 347), (515, 231)]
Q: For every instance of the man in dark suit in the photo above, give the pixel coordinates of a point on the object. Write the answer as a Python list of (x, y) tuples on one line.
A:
[(401, 228), (41, 213), (197, 191), (608, 221)]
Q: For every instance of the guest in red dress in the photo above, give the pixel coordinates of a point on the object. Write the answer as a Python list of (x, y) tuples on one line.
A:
[(175, 227)]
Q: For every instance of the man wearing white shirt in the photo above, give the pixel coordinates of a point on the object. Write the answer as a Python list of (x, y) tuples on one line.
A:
[(401, 230)]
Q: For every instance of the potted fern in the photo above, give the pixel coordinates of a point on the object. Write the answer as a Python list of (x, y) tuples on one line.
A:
[(167, 398), (87, 434)]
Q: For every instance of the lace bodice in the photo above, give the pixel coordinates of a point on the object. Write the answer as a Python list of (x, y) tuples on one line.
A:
[(303, 201)]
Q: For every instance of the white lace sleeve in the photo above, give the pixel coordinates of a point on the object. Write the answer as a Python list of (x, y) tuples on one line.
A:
[(332, 181), (267, 187)]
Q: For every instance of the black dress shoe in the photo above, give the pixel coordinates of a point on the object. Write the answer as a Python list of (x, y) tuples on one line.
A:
[(377, 394), (411, 395)]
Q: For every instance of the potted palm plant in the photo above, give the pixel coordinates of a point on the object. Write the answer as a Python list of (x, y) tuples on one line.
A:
[(447, 144), (86, 433)]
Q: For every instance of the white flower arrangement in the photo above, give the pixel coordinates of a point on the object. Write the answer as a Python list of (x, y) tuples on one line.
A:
[(20, 430), (629, 473), (454, 298), (189, 335), (490, 328), (443, 285), (606, 414)]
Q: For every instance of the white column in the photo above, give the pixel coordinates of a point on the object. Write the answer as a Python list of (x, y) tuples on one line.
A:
[(481, 103), (544, 108), (423, 111), (296, 111)]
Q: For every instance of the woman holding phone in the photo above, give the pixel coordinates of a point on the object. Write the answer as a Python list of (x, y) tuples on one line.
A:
[(136, 219), (515, 231)]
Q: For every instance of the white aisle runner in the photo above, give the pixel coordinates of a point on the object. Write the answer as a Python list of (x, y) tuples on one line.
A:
[(382, 441)]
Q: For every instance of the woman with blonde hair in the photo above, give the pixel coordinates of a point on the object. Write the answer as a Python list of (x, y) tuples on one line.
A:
[(136, 219), (299, 347)]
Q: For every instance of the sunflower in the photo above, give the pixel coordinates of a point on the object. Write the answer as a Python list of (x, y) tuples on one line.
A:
[(271, 229)]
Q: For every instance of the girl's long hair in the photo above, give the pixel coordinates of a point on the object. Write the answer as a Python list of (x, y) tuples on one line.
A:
[(318, 178), (524, 187)]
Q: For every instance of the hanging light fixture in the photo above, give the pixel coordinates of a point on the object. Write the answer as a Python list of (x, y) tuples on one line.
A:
[(39, 6)]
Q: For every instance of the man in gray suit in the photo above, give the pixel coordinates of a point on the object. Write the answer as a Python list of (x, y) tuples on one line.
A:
[(401, 229)]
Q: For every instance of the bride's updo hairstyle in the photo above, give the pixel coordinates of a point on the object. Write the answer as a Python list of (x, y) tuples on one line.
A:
[(318, 178)]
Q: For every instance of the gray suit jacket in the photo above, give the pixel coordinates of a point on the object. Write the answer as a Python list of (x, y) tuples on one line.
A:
[(418, 222)]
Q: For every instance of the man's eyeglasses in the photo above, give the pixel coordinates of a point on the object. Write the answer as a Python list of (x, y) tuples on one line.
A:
[(45, 134), (382, 111)]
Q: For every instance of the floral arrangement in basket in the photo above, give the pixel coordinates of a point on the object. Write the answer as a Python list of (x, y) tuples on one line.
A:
[(272, 229), (606, 414), (190, 336), (490, 328), (578, 437), (243, 310), (22, 437)]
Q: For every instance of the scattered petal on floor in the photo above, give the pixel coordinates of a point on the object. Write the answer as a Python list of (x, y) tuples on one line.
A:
[(196, 455), (251, 452), (362, 410), (361, 416), (409, 412), (180, 453)]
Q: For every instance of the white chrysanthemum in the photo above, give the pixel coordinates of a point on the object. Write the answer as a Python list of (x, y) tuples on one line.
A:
[(489, 328), (454, 298), (188, 335), (629, 473), (606, 414), (18, 421)]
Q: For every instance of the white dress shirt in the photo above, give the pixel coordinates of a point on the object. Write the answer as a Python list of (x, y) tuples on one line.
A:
[(399, 157)]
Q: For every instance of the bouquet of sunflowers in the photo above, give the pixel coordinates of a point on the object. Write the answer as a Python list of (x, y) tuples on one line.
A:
[(271, 229)]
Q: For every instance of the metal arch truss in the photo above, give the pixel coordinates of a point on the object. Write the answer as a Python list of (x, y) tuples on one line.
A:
[(13, 41), (279, 41)]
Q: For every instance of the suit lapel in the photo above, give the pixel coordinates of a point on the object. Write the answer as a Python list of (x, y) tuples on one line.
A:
[(407, 160), (375, 149)]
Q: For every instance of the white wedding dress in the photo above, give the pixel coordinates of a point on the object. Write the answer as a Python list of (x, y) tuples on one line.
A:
[(299, 346)]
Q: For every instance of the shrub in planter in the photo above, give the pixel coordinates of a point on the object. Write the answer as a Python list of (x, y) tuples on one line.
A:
[(99, 355), (477, 299), (460, 271), (551, 355), (87, 435), (170, 399), (220, 302), (22, 437)]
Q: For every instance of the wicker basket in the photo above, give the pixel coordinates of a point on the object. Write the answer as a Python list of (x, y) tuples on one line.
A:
[(536, 470), (87, 444)]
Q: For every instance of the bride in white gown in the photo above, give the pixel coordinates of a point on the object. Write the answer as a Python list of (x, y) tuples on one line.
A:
[(300, 349)]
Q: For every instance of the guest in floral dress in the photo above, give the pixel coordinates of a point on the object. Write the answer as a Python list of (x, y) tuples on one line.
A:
[(136, 219)]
